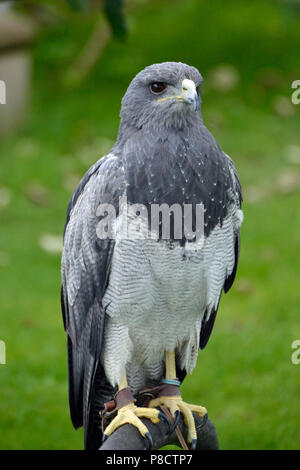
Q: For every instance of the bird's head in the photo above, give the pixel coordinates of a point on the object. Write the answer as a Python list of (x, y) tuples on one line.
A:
[(165, 94)]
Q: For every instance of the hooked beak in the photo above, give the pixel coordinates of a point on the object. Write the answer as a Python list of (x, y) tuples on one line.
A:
[(189, 93)]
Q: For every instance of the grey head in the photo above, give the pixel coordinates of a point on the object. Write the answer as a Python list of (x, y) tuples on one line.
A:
[(162, 95)]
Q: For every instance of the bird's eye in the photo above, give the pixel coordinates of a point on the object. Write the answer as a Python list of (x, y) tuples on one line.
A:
[(158, 87)]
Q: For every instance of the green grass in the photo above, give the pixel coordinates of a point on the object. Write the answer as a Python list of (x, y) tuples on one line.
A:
[(245, 376)]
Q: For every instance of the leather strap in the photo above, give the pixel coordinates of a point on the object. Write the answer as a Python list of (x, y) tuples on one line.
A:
[(162, 390), (177, 429), (148, 394), (122, 397)]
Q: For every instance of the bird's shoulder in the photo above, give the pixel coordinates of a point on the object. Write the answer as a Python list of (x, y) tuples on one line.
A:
[(102, 183)]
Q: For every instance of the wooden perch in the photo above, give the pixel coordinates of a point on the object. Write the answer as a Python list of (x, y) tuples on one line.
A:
[(127, 437)]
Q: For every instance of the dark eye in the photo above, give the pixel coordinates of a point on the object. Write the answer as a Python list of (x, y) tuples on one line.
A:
[(158, 87)]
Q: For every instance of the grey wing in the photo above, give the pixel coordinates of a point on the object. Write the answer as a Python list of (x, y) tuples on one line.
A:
[(85, 267), (238, 215), (223, 255)]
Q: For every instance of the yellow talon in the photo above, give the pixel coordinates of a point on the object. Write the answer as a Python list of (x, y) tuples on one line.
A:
[(175, 403), (130, 414)]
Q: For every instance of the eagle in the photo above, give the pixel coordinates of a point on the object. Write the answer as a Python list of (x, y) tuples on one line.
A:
[(138, 305)]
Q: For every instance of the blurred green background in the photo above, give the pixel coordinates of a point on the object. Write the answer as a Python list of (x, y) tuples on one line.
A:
[(248, 54)]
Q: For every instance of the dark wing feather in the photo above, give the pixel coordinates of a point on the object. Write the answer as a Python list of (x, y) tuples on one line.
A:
[(209, 320), (237, 191), (206, 328), (86, 264), (230, 279), (208, 324)]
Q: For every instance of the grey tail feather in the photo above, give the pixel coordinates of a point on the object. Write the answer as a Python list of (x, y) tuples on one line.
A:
[(101, 392)]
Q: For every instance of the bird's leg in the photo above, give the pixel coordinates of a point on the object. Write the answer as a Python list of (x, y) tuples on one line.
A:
[(171, 398), (129, 413)]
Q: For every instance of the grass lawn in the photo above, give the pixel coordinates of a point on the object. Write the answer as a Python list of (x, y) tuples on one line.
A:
[(245, 376)]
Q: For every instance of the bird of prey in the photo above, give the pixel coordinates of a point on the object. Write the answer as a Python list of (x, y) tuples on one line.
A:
[(136, 309)]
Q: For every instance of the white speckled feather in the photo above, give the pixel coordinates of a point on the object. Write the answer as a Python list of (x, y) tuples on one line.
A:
[(156, 299)]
